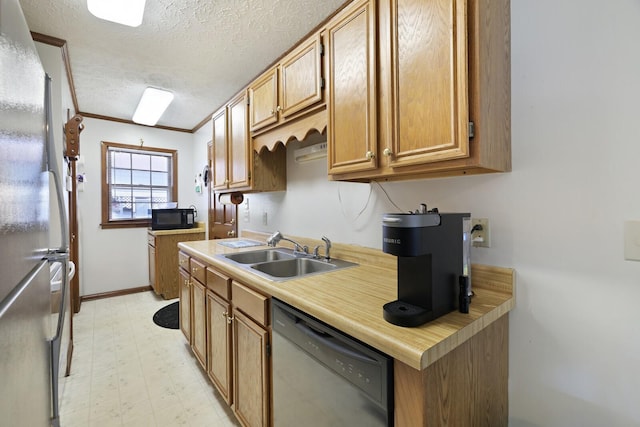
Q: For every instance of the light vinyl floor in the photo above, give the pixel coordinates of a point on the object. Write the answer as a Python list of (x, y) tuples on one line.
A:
[(127, 371)]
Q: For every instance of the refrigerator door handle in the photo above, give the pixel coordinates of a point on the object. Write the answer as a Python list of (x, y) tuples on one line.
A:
[(56, 341), (53, 168), (15, 293), (60, 254)]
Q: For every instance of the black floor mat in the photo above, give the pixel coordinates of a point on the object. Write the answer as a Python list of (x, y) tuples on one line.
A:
[(168, 317)]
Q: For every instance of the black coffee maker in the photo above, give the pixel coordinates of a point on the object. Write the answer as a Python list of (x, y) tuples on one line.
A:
[(433, 264)]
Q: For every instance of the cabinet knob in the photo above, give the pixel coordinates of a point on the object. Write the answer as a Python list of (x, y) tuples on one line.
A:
[(233, 221), (272, 112), (231, 233), (279, 108), (194, 269), (225, 314), (229, 319), (387, 152), (370, 155)]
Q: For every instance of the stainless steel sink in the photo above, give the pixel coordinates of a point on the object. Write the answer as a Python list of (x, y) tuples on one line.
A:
[(293, 267), (264, 255), (279, 264)]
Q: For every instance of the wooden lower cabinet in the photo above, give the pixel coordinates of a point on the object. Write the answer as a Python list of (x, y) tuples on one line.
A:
[(185, 303), (163, 254), (466, 387), (219, 368), (226, 324), (199, 321), (251, 372)]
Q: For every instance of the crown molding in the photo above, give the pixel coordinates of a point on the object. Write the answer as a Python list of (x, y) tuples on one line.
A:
[(62, 44)]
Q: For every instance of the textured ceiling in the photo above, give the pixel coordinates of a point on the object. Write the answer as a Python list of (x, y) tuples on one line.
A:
[(204, 51)]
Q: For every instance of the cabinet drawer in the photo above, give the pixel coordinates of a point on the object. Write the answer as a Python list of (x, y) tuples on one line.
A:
[(198, 270), (151, 239), (219, 283), (183, 260), (250, 302)]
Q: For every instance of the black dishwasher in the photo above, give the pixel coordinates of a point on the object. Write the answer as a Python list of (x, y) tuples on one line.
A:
[(323, 377)]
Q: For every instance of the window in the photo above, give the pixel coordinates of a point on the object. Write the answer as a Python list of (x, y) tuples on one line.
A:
[(134, 181)]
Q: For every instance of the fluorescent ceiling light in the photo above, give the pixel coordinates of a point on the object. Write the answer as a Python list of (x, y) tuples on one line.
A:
[(152, 105), (125, 12)]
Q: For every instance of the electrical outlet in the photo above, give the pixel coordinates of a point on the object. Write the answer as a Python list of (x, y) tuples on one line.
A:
[(481, 238)]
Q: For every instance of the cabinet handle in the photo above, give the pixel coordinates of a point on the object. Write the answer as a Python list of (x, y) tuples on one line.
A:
[(279, 108), (387, 152), (370, 155)]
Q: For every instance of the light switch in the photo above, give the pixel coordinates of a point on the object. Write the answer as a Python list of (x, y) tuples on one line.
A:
[(632, 240)]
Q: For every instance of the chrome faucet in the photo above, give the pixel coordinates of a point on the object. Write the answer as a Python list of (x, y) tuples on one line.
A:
[(327, 248), (277, 236)]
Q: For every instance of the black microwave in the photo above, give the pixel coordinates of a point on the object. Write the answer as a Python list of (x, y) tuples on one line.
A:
[(169, 219)]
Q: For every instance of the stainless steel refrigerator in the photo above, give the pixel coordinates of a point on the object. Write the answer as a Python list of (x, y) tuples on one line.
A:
[(29, 336)]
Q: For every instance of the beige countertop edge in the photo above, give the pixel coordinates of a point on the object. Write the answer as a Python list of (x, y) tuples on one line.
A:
[(177, 231), (353, 304)]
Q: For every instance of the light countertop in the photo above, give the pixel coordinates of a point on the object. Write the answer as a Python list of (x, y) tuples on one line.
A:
[(198, 228), (351, 299)]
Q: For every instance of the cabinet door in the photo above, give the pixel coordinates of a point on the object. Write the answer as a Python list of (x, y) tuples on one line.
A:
[(219, 173), (428, 81), (199, 321), (351, 127), (152, 268), (238, 143), (251, 371), (219, 346), (263, 100), (185, 304), (301, 78)]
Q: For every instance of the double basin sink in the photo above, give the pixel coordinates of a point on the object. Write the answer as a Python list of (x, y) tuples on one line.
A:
[(281, 264)]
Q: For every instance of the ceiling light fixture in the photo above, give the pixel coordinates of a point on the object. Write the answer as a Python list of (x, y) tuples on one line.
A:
[(125, 12), (312, 152), (151, 106)]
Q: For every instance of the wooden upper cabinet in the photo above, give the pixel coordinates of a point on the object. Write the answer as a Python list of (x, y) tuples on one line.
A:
[(263, 100), (239, 155), (301, 77), (289, 88), (231, 146), (219, 172), (351, 100), (442, 105), (428, 81)]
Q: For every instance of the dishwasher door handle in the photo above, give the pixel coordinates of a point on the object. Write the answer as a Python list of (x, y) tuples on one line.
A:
[(332, 343)]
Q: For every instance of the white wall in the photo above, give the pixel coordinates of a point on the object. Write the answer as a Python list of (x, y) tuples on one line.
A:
[(557, 218), (115, 259), (200, 140)]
